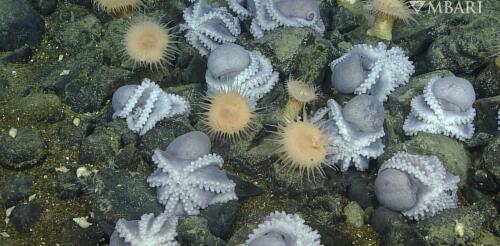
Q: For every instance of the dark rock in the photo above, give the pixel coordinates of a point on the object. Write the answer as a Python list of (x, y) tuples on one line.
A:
[(486, 83), (24, 151), (323, 210), (20, 24), (496, 227), (45, 7), (241, 235), (405, 235), (483, 180), (383, 220), (244, 188), (73, 235), (86, 84), (293, 183), (338, 183), (313, 62), (127, 158), (71, 135), (20, 55), (335, 237), (86, 3), (101, 146), (490, 161), (486, 114), (38, 107), (80, 34), (67, 185), (116, 194), (221, 217), (359, 192), (15, 189), (193, 230), (479, 139), (24, 216), (163, 133), (458, 225)]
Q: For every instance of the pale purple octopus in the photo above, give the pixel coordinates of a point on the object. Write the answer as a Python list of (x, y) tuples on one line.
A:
[(144, 105), (355, 131), (444, 108), (188, 177), (371, 70), (231, 67), (207, 27), (270, 14), (148, 231), (416, 185), (281, 229)]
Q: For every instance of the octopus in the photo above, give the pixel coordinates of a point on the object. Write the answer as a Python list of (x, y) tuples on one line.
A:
[(416, 185), (144, 105), (207, 27), (444, 108), (148, 231), (232, 68), (376, 71), (270, 14), (188, 178), (355, 131), (281, 229)]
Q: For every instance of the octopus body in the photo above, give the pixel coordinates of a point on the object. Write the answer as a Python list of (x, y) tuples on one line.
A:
[(281, 229), (371, 70), (232, 68), (207, 27), (144, 105), (188, 177), (416, 185), (270, 14), (148, 231), (444, 108), (355, 131)]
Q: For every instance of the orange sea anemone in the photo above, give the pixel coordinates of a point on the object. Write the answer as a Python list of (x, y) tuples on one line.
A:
[(229, 115), (299, 93), (149, 43), (387, 12), (302, 147), (116, 6)]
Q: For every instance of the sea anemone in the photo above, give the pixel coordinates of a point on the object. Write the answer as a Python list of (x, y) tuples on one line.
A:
[(229, 114), (299, 93), (116, 6), (302, 146), (150, 43), (387, 11)]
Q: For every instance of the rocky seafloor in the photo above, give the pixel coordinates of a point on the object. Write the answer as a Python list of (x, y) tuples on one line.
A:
[(70, 161)]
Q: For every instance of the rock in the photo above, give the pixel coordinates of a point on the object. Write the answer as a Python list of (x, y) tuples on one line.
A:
[(101, 146), (15, 189), (71, 135), (163, 133), (116, 194), (383, 220), (415, 39), (486, 83), (20, 55), (24, 216), (354, 214), (67, 185), (338, 183), (20, 24), (452, 153), (486, 114), (27, 149), (221, 217), (38, 107), (82, 81), (323, 210), (406, 235), (294, 184), (360, 192), (193, 230), (244, 189), (398, 107), (487, 239), (490, 162), (86, 3), (283, 46), (313, 62), (73, 235), (240, 236), (460, 47), (45, 7), (459, 225), (485, 181), (127, 158), (80, 34)]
